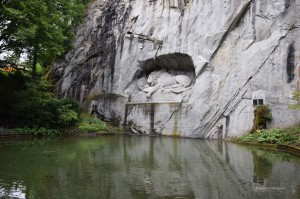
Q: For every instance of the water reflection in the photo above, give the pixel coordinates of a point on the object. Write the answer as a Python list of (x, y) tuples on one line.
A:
[(144, 167), (16, 190), (262, 168)]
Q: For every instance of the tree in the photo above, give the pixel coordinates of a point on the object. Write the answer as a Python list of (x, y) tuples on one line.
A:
[(43, 29)]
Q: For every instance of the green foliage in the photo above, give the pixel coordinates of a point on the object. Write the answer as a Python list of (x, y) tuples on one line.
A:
[(43, 110), (39, 69), (296, 96), (41, 28), (89, 124), (273, 136), (67, 116), (10, 85), (37, 131), (262, 115), (28, 103)]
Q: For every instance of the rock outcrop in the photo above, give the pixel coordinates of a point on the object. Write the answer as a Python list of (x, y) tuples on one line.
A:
[(236, 54)]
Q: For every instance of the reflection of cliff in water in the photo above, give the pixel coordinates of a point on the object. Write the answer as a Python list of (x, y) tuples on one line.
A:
[(144, 167), (298, 191)]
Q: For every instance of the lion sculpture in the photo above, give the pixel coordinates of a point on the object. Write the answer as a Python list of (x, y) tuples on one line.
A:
[(163, 79)]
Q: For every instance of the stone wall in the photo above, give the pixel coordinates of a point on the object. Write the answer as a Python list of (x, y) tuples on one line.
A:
[(231, 50)]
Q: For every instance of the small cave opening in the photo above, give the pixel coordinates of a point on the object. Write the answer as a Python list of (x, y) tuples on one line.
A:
[(290, 66), (175, 72), (170, 62)]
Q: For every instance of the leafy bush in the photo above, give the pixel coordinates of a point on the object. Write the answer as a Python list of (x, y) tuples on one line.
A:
[(91, 125), (45, 111), (272, 136), (29, 103), (10, 85), (262, 115), (37, 131), (66, 116)]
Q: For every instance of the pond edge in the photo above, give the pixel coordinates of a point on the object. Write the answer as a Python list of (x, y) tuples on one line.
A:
[(285, 148)]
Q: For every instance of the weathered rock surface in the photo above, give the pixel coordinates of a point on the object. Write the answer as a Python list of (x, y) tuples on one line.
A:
[(235, 52)]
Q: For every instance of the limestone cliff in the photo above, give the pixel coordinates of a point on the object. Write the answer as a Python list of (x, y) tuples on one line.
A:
[(236, 54)]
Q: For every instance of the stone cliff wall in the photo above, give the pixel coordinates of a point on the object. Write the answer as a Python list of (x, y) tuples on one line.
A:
[(236, 53)]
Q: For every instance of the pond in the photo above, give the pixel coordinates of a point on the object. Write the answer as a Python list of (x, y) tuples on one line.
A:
[(144, 167)]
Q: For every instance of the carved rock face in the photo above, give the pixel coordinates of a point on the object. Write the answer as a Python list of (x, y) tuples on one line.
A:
[(229, 50), (153, 76), (142, 82), (184, 80), (162, 79), (166, 79)]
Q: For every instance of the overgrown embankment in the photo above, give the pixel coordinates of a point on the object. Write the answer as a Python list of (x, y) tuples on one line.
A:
[(287, 139), (28, 107), (29, 104), (92, 124)]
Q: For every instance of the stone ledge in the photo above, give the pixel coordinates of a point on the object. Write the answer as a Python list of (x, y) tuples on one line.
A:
[(154, 102)]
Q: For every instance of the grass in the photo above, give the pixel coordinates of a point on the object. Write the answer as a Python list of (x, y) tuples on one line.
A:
[(91, 124), (287, 136), (86, 124), (37, 131)]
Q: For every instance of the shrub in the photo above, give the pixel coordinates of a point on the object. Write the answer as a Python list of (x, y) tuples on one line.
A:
[(272, 136), (262, 115), (37, 131), (28, 103), (91, 125), (10, 85), (37, 107), (66, 116)]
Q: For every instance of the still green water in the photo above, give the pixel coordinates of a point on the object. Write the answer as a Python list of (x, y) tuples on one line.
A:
[(144, 167)]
